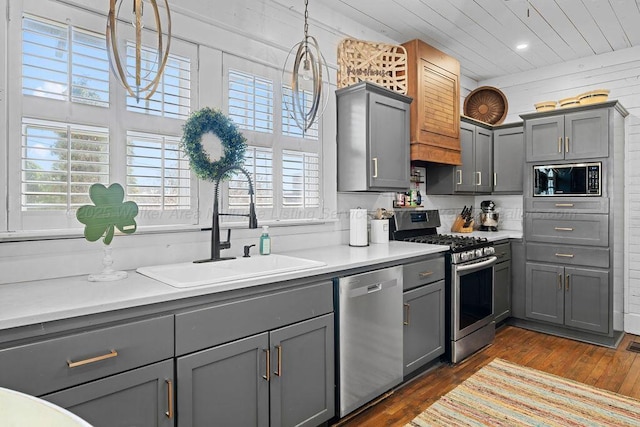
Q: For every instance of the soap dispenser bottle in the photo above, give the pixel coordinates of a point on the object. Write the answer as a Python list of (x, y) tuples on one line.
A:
[(265, 241)]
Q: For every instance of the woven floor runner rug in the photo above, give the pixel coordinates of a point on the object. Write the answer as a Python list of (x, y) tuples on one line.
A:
[(505, 394)]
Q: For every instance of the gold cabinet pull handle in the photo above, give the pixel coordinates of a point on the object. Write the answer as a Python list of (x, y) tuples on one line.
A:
[(564, 205), (425, 274), (565, 255), (495, 179), (563, 228), (559, 282), (407, 312), (459, 172), (375, 167), (567, 283), (267, 375), (559, 144), (109, 355), (479, 174), (279, 371), (566, 144), (169, 412)]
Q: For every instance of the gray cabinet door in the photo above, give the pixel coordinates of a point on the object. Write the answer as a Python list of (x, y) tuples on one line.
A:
[(587, 299), (226, 385), (388, 142), (544, 298), (141, 397), (544, 138), (483, 153), (465, 173), (423, 339), (587, 134), (502, 291), (302, 373), (508, 160)]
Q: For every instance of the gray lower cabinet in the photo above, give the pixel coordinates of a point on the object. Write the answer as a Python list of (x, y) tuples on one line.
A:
[(423, 325), (571, 296), (283, 377), (424, 311), (502, 282), (141, 397)]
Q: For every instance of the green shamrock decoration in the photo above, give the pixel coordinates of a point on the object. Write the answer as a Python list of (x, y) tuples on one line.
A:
[(109, 211)]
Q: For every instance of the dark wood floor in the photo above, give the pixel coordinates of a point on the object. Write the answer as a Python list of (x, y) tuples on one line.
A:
[(616, 370)]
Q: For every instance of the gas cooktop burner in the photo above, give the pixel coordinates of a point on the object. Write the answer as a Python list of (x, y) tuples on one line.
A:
[(455, 243)]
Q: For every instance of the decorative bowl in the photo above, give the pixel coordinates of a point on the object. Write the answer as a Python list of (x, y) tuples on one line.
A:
[(545, 106), (487, 104), (569, 102), (594, 96)]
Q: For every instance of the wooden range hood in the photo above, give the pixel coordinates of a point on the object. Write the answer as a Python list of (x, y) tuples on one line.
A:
[(433, 81)]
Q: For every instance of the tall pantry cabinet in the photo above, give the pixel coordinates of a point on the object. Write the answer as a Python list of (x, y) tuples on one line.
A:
[(574, 244)]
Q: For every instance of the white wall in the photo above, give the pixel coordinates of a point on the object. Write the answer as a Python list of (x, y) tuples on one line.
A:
[(620, 73), (263, 31)]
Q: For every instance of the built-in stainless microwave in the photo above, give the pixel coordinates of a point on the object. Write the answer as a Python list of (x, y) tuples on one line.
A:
[(578, 179)]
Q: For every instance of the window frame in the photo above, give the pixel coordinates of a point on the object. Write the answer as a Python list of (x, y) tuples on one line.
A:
[(279, 143), (115, 117)]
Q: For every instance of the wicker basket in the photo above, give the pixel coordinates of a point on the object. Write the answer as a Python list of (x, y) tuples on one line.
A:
[(594, 96), (381, 63), (545, 106), (569, 102), (487, 104)]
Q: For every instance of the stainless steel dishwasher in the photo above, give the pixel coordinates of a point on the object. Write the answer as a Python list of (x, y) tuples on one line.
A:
[(370, 336)]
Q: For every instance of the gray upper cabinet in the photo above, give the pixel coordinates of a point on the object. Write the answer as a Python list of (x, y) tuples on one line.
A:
[(475, 174), (373, 138), (508, 159), (572, 136)]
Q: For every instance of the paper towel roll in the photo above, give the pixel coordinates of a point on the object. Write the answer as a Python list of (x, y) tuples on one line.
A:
[(358, 227)]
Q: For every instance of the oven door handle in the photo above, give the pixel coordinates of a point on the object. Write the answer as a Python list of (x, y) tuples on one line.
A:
[(477, 265)]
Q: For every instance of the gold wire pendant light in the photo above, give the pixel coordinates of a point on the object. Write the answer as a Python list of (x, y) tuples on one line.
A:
[(122, 73), (307, 72)]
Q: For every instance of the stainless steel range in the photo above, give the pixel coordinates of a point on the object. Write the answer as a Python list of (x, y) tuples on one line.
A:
[(469, 280)]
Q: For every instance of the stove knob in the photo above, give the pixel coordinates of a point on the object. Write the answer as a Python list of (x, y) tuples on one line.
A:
[(478, 253), (466, 256), (489, 250)]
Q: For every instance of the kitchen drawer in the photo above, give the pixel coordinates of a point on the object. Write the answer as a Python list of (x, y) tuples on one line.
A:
[(423, 272), (212, 325), (570, 255), (570, 229), (54, 364), (503, 252), (567, 204)]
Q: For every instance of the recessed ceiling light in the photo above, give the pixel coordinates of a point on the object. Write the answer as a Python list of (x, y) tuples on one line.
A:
[(522, 46)]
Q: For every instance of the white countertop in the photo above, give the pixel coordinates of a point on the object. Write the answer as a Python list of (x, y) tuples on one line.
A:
[(30, 303)]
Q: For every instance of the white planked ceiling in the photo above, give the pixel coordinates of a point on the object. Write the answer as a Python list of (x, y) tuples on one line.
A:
[(483, 34)]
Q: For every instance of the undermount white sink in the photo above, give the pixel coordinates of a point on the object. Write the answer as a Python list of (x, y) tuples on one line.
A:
[(188, 274)]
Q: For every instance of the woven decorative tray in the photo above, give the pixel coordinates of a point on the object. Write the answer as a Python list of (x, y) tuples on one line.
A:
[(487, 104), (381, 63)]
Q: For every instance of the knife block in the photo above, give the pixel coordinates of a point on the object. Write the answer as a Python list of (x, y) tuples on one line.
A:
[(458, 225)]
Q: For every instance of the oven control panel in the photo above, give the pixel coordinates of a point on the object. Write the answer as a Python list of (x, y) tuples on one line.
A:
[(472, 254)]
